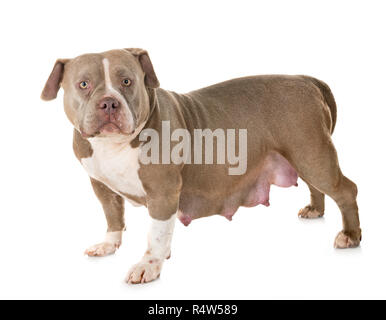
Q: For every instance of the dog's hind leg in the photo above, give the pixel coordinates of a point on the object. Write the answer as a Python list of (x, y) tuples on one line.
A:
[(316, 207), (317, 163)]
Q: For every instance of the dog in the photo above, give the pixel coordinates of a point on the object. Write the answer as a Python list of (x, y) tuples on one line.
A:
[(114, 96)]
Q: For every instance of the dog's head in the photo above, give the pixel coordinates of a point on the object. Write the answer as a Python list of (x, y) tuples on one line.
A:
[(104, 93)]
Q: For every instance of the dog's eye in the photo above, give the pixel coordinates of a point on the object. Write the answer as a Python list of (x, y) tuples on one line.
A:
[(126, 82), (83, 85)]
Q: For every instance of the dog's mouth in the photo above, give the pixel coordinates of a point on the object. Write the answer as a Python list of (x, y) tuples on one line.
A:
[(109, 128)]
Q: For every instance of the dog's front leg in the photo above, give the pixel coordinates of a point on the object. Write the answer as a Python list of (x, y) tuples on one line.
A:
[(162, 210), (163, 203), (113, 207), (159, 242)]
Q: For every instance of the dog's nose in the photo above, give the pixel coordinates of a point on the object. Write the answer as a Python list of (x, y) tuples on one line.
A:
[(109, 104)]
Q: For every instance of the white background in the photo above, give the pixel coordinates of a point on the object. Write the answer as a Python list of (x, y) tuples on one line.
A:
[(49, 214)]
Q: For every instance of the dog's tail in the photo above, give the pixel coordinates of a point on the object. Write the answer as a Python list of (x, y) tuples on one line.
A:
[(328, 97)]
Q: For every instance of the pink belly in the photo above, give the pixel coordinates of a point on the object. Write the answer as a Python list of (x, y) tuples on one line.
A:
[(275, 169)]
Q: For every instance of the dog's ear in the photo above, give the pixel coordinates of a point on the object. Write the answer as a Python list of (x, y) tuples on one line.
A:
[(151, 80), (54, 80)]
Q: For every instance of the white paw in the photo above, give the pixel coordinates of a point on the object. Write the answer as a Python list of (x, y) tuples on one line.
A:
[(101, 249), (144, 272)]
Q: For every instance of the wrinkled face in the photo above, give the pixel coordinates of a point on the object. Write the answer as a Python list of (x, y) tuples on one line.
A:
[(105, 93)]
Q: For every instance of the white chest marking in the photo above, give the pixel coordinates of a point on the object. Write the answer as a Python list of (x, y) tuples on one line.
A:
[(115, 163)]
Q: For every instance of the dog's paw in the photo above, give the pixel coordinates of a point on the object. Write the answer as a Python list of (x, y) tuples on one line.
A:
[(309, 212), (101, 249), (144, 272), (344, 240)]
